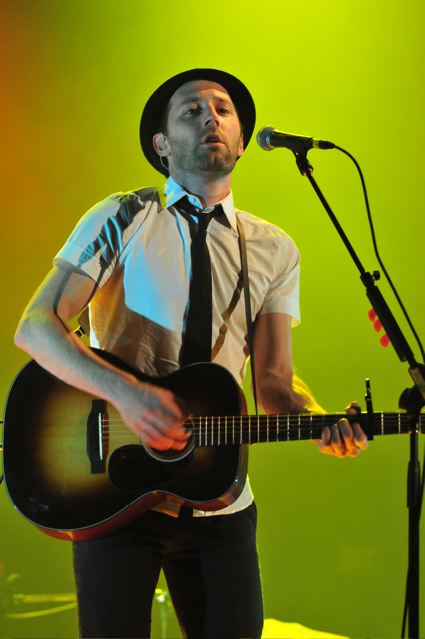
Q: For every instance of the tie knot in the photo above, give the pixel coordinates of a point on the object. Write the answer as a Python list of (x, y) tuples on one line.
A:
[(203, 217)]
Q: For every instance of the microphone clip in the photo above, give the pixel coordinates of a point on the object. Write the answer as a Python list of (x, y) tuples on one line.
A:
[(303, 164)]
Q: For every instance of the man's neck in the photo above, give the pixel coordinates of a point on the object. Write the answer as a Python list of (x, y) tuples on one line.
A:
[(209, 191)]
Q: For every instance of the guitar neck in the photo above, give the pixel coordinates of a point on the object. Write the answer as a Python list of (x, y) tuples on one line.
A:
[(254, 429)]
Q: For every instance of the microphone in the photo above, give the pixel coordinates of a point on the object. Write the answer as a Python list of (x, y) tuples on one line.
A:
[(269, 138)]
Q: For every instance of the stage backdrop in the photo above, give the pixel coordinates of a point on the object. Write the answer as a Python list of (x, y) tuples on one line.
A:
[(332, 533)]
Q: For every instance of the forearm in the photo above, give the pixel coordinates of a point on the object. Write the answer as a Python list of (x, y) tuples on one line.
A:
[(152, 412), (279, 395), (44, 336)]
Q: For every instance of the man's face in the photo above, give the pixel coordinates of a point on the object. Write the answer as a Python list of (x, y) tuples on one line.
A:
[(203, 133)]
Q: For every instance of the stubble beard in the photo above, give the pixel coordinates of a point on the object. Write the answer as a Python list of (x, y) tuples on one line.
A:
[(201, 160)]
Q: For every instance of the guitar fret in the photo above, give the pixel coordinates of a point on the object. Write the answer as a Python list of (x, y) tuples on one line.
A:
[(240, 428), (233, 433), (299, 427), (267, 428), (382, 423), (399, 425), (287, 428), (249, 433), (277, 428), (218, 429), (311, 426)]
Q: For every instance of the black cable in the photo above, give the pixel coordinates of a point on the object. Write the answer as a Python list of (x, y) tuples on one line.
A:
[(375, 246), (384, 270)]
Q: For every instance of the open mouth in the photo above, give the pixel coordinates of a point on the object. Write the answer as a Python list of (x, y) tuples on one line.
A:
[(212, 139)]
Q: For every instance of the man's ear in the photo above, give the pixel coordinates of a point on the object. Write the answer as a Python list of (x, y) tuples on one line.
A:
[(160, 144), (241, 147)]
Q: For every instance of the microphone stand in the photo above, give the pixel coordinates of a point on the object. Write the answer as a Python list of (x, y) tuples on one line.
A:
[(412, 399)]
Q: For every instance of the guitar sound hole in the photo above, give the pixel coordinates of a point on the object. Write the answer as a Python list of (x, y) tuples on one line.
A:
[(170, 455)]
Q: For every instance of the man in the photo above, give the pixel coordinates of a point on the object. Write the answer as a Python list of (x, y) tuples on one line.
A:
[(137, 259)]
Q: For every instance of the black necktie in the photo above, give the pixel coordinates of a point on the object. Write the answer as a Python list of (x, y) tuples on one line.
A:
[(196, 345)]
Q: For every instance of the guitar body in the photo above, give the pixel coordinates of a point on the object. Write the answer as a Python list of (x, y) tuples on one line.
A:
[(76, 471)]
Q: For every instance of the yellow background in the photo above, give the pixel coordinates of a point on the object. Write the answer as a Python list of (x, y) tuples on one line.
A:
[(332, 534)]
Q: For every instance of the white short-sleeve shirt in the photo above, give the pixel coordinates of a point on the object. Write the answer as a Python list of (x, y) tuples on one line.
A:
[(136, 246)]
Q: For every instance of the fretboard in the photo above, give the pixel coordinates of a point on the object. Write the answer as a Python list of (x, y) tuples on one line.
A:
[(254, 429)]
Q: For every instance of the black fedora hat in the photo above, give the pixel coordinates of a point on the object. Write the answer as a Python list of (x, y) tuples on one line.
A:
[(152, 113)]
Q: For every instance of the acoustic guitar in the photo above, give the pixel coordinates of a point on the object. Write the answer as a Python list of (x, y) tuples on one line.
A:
[(76, 471)]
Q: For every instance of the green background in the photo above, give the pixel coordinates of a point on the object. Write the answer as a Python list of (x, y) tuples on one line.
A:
[(76, 74)]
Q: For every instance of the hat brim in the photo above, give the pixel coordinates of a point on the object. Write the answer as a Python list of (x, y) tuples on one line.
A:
[(155, 106)]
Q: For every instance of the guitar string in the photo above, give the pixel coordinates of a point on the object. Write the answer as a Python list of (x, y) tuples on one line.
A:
[(293, 420), (214, 426), (293, 423), (392, 423)]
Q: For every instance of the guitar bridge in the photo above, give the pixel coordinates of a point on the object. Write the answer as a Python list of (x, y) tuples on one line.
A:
[(97, 440)]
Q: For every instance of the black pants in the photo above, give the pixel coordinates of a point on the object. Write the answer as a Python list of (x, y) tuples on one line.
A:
[(210, 564)]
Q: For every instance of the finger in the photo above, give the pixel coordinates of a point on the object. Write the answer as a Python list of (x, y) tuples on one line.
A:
[(163, 398), (161, 442), (326, 450), (353, 408), (171, 405), (336, 442), (360, 437), (348, 442), (165, 426), (169, 419), (324, 444), (155, 432), (152, 437)]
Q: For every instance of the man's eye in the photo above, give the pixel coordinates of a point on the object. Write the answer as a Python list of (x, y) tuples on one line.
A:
[(192, 110)]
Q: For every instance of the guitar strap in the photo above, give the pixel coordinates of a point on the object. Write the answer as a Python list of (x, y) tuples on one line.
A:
[(247, 296), (84, 323)]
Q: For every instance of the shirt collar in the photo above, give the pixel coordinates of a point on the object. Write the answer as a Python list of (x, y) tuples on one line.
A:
[(174, 192)]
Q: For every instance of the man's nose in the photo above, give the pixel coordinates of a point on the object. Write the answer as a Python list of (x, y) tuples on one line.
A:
[(211, 116)]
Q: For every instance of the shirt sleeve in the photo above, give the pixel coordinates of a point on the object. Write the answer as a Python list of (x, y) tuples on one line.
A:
[(96, 242), (283, 293)]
